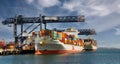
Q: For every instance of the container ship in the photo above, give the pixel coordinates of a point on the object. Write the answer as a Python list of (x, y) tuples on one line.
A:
[(55, 42), (90, 45), (47, 41)]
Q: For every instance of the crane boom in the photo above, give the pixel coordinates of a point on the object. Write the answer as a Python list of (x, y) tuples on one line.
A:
[(82, 31), (46, 19)]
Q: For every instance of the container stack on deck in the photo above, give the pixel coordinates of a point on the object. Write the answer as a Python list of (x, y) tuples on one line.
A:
[(63, 37)]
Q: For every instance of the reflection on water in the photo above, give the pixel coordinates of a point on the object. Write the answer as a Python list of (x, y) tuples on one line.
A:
[(101, 56)]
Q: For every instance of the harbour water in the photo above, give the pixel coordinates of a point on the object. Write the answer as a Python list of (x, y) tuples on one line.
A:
[(101, 56)]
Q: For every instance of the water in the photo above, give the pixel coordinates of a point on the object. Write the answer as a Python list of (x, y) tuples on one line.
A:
[(101, 56)]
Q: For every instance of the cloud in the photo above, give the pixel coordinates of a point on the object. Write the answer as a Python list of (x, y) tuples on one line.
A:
[(117, 31), (48, 3), (43, 3), (100, 10), (101, 24), (29, 1), (92, 7), (105, 16), (3, 27), (5, 32), (118, 8)]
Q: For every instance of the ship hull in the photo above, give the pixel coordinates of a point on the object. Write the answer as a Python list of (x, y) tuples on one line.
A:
[(90, 48), (58, 48)]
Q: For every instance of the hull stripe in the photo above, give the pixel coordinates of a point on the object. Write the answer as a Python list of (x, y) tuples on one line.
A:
[(56, 51)]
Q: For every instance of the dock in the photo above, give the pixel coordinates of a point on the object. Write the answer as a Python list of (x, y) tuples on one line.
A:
[(27, 34)]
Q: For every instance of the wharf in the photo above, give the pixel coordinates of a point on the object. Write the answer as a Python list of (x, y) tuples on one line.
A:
[(16, 52)]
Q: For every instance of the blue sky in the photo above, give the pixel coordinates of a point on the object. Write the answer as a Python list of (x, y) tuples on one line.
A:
[(101, 15)]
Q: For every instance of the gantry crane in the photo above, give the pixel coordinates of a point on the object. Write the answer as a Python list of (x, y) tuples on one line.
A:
[(21, 20)]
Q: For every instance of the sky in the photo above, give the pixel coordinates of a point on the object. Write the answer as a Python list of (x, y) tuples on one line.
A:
[(101, 15)]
